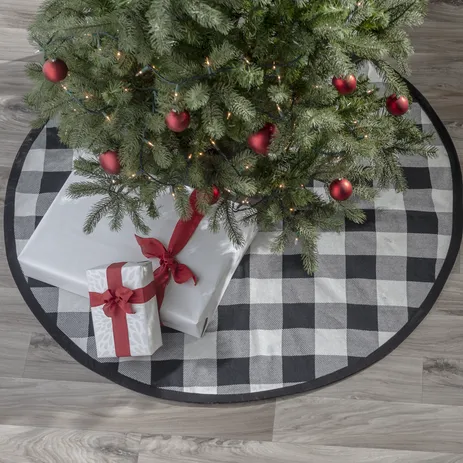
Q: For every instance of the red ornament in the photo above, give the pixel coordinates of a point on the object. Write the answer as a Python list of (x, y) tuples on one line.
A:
[(110, 163), (215, 194), (397, 106), (178, 122), (345, 85), (341, 189), (55, 70), (260, 141)]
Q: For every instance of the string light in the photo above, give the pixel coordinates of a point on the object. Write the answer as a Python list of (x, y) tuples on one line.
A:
[(126, 89), (118, 54), (150, 144), (107, 117), (302, 185), (274, 66), (296, 240), (213, 142), (133, 175), (246, 60), (282, 185), (279, 110), (229, 115), (190, 156), (114, 181), (291, 209), (201, 153), (247, 167)]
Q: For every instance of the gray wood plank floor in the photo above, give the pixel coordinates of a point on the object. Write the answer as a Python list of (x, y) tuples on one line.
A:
[(407, 408)]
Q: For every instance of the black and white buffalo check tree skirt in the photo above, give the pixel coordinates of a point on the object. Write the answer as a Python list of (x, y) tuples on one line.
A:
[(277, 330)]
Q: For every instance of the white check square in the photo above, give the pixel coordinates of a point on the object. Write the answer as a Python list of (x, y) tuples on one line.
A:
[(266, 291), (330, 342), (331, 243), (266, 343), (35, 161), (391, 293), (391, 244), (25, 204), (330, 290), (390, 200)]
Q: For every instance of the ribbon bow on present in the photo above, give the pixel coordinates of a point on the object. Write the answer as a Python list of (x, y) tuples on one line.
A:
[(153, 248), (117, 303), (116, 300)]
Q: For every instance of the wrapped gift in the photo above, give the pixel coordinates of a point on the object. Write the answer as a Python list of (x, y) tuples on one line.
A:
[(59, 253), (124, 309)]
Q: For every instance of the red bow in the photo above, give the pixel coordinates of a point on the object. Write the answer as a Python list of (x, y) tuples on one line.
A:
[(117, 304), (153, 248), (117, 300)]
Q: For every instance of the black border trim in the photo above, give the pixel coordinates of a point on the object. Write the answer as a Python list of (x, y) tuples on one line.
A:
[(129, 383)]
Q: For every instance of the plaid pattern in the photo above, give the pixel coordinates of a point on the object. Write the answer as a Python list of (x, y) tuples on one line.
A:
[(276, 326)]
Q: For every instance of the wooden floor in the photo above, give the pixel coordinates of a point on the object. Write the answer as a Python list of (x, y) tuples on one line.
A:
[(407, 408)]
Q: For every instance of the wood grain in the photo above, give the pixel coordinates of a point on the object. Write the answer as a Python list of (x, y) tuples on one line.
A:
[(108, 407), (47, 360), (165, 449), (443, 381), (393, 378), (21, 444), (367, 423), (13, 347)]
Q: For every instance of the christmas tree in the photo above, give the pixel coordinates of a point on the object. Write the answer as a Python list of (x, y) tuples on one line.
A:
[(248, 101)]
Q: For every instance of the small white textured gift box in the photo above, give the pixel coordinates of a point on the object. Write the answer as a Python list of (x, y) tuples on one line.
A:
[(143, 326), (59, 253)]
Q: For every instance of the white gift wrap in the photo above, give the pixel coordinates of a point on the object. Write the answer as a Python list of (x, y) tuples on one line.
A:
[(59, 253), (144, 326)]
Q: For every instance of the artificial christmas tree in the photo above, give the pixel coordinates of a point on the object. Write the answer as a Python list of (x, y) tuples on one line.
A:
[(186, 92)]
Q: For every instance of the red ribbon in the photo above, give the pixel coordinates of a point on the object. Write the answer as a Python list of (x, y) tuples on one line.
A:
[(151, 247), (117, 304)]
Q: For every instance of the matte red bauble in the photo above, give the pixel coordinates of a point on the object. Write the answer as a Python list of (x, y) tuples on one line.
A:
[(55, 70), (178, 122), (341, 189), (345, 85), (260, 141), (110, 163), (397, 106)]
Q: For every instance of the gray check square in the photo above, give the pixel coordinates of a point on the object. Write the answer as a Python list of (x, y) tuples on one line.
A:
[(361, 292), (24, 227), (392, 319), (326, 364), (298, 341), (29, 182), (422, 199), (59, 160), (140, 370), (417, 292), (391, 268), (331, 316), (361, 343), (391, 221), (266, 370), (233, 344), (297, 290), (265, 266), (238, 292), (44, 201), (48, 298), (441, 178), (198, 373), (422, 245), (368, 240), (266, 316), (331, 267)]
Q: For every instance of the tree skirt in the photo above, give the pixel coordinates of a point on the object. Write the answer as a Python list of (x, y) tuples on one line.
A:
[(277, 331)]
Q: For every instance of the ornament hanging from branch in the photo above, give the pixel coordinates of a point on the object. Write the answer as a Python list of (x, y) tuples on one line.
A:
[(178, 122), (260, 141), (341, 189), (397, 106), (345, 85), (55, 70), (110, 163)]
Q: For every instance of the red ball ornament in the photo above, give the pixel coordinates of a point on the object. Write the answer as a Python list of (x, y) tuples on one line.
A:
[(55, 70), (341, 189), (178, 122), (110, 163), (397, 106), (215, 194), (260, 141), (345, 85)]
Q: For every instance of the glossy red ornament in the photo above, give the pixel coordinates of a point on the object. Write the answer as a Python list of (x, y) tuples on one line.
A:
[(260, 141), (341, 189), (55, 70), (110, 163), (345, 85), (215, 194), (397, 106), (178, 122)]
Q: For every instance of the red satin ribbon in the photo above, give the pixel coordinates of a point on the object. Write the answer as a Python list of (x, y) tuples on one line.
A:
[(153, 248), (117, 303)]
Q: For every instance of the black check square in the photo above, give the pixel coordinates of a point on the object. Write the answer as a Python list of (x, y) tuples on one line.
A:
[(368, 225), (298, 368), (233, 317), (362, 317), (243, 269), (167, 373), (421, 269), (293, 268), (361, 267), (422, 222), (418, 178), (53, 181), (53, 140), (299, 316), (232, 371)]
